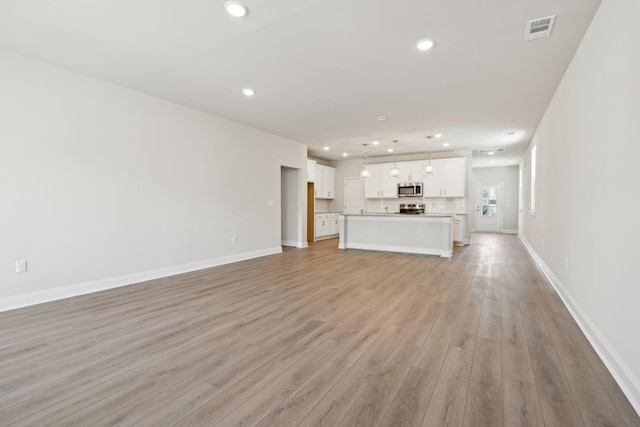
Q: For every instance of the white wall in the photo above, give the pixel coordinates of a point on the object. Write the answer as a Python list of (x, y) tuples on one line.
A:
[(508, 176), (584, 230), (101, 185)]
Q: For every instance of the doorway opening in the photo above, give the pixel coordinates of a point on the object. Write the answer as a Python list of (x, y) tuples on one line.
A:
[(289, 207)]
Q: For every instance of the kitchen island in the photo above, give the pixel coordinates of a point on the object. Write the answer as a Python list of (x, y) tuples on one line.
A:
[(430, 234)]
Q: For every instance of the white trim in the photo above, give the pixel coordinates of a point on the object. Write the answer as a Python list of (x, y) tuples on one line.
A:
[(302, 245), (33, 298), (291, 243), (328, 236), (624, 376)]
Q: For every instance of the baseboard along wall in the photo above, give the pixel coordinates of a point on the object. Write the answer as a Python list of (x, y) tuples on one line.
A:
[(33, 298)]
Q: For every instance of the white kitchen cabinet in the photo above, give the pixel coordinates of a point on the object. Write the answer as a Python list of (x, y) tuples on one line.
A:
[(458, 229), (326, 225), (449, 179), (380, 184), (325, 182), (322, 225), (410, 171), (333, 225), (311, 170)]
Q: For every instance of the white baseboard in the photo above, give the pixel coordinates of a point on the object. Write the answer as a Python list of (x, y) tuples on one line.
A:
[(33, 298), (505, 231), (330, 236), (629, 383), (294, 244)]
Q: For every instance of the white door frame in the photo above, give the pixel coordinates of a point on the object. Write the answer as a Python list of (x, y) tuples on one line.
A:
[(499, 204)]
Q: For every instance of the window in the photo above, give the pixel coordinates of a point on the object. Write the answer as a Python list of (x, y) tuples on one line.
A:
[(532, 202)]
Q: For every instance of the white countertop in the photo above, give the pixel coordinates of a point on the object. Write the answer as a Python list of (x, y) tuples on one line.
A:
[(399, 215)]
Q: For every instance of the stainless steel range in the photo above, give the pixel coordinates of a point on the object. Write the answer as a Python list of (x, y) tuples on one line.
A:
[(412, 208)]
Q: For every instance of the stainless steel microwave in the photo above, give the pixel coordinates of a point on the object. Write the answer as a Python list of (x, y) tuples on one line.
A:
[(410, 189)]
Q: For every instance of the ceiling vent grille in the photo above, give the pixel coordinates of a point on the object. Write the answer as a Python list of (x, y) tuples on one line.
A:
[(490, 151), (539, 28)]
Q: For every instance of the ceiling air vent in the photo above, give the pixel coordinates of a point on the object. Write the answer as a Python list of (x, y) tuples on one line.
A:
[(490, 151), (539, 28)]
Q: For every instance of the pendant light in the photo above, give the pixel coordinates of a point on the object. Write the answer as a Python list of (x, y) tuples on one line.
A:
[(395, 172), (364, 173), (428, 169)]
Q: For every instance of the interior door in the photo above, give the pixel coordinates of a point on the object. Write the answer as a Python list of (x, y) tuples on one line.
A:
[(311, 214), (488, 207), (353, 195)]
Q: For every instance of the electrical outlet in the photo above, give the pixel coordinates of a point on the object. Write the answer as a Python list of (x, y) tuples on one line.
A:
[(234, 239), (21, 266)]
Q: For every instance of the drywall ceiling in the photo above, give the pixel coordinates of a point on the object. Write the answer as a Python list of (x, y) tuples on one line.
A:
[(324, 70)]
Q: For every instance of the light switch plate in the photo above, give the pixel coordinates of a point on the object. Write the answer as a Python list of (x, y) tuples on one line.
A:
[(21, 266)]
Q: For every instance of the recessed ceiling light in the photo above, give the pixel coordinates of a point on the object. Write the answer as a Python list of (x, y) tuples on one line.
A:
[(248, 91), (425, 44), (492, 162), (376, 142), (326, 148), (389, 150), (438, 135), (446, 144), (491, 153), (381, 118), (345, 154), (235, 9)]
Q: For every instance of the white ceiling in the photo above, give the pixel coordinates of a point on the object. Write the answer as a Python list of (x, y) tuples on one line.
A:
[(323, 70)]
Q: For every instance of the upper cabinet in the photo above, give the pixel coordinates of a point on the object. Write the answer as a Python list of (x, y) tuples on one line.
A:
[(325, 182), (380, 184), (449, 179), (311, 170), (410, 171)]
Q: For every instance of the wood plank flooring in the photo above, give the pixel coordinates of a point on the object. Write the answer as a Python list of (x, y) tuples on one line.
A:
[(314, 337)]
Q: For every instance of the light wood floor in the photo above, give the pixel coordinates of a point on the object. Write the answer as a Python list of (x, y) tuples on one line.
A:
[(314, 337)]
